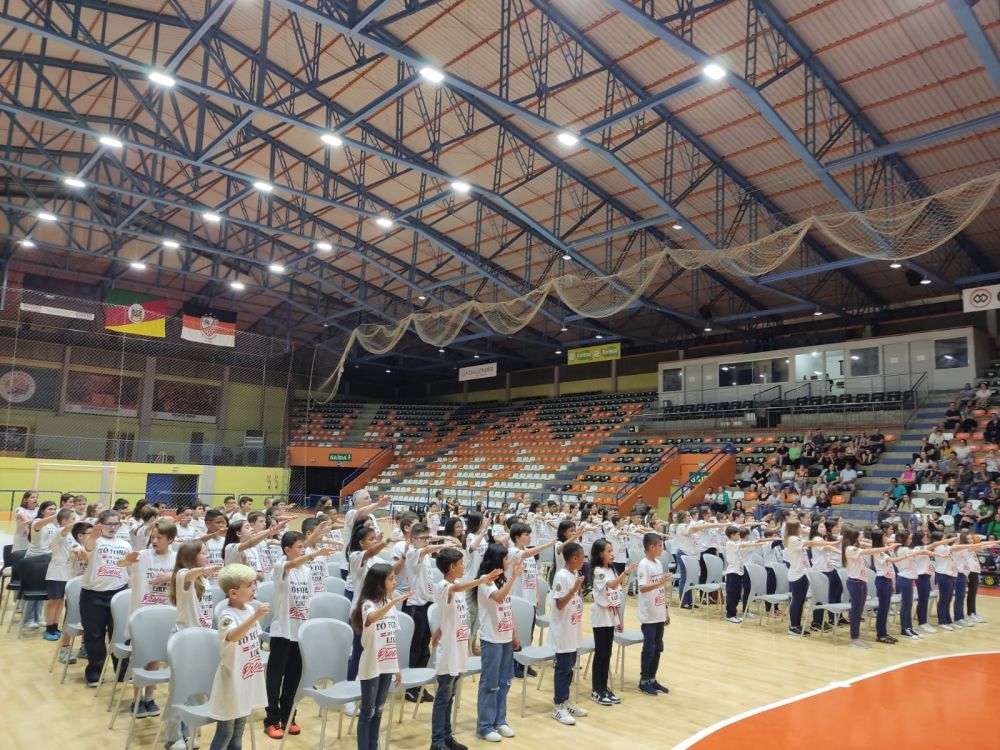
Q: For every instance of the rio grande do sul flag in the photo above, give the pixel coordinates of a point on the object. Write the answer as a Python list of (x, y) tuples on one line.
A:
[(206, 325), (138, 314)]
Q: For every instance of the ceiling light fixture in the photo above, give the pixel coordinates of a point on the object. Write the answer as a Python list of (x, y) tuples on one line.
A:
[(238, 286), (676, 226), (110, 141), (162, 79), (324, 246), (925, 281), (461, 187), (558, 351), (564, 328), (855, 357), (422, 297), (276, 268), (568, 139), (432, 74), (599, 336), (331, 140), (714, 71), (45, 216), (211, 217), (388, 371), (441, 351), (567, 256), (27, 243), (264, 187), (895, 265), (172, 244), (475, 356), (708, 328), (383, 222), (138, 265), (74, 182), (817, 313)]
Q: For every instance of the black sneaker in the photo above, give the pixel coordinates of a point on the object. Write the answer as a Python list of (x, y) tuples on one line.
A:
[(648, 689), (426, 697), (452, 745), (819, 628), (151, 708), (660, 688), (612, 697), (139, 707), (797, 631), (600, 699), (411, 696)]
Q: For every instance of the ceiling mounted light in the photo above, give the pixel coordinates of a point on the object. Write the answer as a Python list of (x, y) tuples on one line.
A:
[(276, 268), (925, 281), (211, 217), (264, 187), (714, 71), (568, 139), (110, 141), (708, 328), (162, 79), (324, 246), (567, 256), (564, 328), (388, 371), (558, 351), (895, 264), (855, 357), (676, 226), (441, 351), (74, 182), (817, 313), (138, 265), (383, 222), (599, 336), (27, 243), (432, 74), (475, 356), (421, 297), (238, 286), (172, 244), (45, 216), (461, 187), (331, 140)]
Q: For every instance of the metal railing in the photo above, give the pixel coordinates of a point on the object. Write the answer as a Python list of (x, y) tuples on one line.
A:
[(767, 396), (366, 465), (648, 470), (920, 390), (704, 470)]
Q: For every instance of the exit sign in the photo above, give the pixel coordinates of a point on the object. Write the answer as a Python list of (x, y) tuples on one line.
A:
[(339, 457)]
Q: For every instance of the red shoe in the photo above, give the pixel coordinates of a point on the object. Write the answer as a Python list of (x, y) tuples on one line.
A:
[(294, 728), (274, 731)]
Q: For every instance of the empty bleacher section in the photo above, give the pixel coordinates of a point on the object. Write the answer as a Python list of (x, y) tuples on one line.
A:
[(321, 425)]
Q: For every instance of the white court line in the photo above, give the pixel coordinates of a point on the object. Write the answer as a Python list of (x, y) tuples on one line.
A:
[(697, 737)]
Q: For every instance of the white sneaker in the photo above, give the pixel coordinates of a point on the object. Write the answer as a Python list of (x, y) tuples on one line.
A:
[(575, 710), (946, 627), (32, 625), (912, 635), (928, 628), (860, 644), (977, 618), (490, 737), (965, 623), (350, 709), (749, 616), (506, 730), (734, 620), (560, 714), (178, 745)]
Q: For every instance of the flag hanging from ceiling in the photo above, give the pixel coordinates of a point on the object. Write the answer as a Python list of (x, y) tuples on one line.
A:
[(138, 314), (206, 325)]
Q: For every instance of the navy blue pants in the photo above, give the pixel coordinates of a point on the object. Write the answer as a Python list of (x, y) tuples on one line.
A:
[(883, 588), (857, 591), (923, 597)]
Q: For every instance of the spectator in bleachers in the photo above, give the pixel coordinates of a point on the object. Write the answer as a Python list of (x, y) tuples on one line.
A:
[(991, 465), (746, 477), (823, 501), (968, 422), (807, 500), (885, 506), (963, 453), (787, 478), (953, 416), (896, 490), (991, 433), (848, 477), (984, 396), (905, 505), (794, 452), (921, 466), (937, 436), (985, 515), (818, 440), (967, 395), (908, 478)]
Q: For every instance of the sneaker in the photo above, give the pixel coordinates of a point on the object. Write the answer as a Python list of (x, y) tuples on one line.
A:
[(92, 683), (560, 714), (612, 697), (350, 709), (797, 632), (973, 617), (177, 745), (293, 729), (946, 627), (450, 744), (411, 696), (822, 628), (274, 731), (438, 746), (734, 620), (52, 635), (490, 737), (575, 710), (33, 625), (82, 653), (600, 699), (65, 656), (966, 623), (913, 633), (660, 688), (858, 643), (910, 634), (928, 628), (140, 709), (749, 616), (151, 708), (648, 689), (506, 730)]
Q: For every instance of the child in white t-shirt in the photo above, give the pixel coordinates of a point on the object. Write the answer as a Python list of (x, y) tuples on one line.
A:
[(451, 639), (59, 570), (606, 616), (498, 641), (189, 591), (375, 620), (238, 689), (566, 630), (653, 615)]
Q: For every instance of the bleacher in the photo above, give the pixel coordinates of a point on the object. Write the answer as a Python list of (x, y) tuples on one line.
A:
[(321, 425)]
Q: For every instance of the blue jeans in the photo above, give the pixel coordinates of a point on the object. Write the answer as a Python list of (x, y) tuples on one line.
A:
[(652, 647), (923, 597), (494, 684), (946, 589), (686, 601), (354, 661), (905, 587), (444, 696), (374, 693), (799, 589), (883, 588), (961, 582), (563, 676), (857, 591), (229, 734)]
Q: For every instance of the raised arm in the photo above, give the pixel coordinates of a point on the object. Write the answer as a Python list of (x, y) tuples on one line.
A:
[(504, 591), (235, 635), (562, 601), (298, 562), (265, 534), (382, 611)]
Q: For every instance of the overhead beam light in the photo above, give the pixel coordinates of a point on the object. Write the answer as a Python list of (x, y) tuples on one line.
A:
[(211, 217), (162, 79), (568, 139), (714, 72), (45, 216), (925, 281), (461, 187), (387, 372), (138, 265), (599, 336), (264, 187), (567, 256), (74, 182), (110, 141), (564, 329), (708, 328), (238, 286), (895, 265), (276, 268), (422, 297), (324, 246), (676, 226), (558, 351), (475, 356), (817, 313), (172, 244), (441, 350), (331, 140), (432, 74), (27, 243), (384, 222)]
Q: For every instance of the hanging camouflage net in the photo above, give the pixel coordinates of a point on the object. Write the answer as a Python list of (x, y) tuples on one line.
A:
[(895, 232)]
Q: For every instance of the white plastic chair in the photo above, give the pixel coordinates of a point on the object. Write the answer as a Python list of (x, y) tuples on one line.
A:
[(411, 677), (820, 585), (71, 623), (758, 590), (335, 585), (523, 611), (325, 645), (150, 628), (542, 617), (118, 648), (325, 605)]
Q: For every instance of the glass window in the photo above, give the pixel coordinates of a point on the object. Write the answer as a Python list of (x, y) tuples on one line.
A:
[(951, 353), (779, 370), (673, 380), (864, 361), (727, 375)]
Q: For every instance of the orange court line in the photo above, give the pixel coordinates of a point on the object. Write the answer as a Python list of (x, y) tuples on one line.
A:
[(907, 706)]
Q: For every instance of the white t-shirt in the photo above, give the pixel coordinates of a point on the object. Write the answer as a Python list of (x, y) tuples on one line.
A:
[(357, 572), (856, 567), (566, 627), (944, 563), (192, 612), (317, 571), (453, 648), (348, 531), (41, 540), (124, 531), (606, 610), (922, 565), (619, 544), (907, 568), (22, 522), (406, 572), (474, 556), (795, 554), (379, 643), (239, 687), (496, 619), (213, 550), (61, 567), (185, 534), (652, 604), (526, 584), (882, 566), (421, 585), (292, 592), (141, 574), (103, 573), (686, 542), (433, 523), (734, 558)]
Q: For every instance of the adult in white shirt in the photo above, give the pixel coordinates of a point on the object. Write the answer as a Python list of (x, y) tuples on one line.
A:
[(361, 506), (26, 512)]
